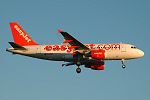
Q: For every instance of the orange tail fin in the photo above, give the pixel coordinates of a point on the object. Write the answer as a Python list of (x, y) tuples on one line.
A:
[(20, 36)]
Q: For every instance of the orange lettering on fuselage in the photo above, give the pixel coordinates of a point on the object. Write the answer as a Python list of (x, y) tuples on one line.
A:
[(58, 48), (48, 48), (91, 46), (63, 47)]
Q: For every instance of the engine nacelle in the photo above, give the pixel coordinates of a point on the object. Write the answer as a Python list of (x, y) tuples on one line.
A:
[(95, 65), (97, 54)]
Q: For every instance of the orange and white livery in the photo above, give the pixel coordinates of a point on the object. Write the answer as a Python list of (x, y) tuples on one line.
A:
[(76, 53)]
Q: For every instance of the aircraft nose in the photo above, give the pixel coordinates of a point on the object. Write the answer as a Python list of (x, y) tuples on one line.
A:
[(141, 53)]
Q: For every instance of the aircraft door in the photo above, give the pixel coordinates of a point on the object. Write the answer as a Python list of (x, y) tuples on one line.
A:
[(38, 49), (123, 48)]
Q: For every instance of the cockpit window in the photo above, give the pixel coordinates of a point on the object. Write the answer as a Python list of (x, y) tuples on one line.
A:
[(133, 47)]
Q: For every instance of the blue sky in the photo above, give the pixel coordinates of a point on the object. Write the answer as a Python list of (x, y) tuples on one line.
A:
[(96, 21)]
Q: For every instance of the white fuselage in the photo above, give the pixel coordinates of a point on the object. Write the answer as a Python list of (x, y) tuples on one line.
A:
[(63, 52)]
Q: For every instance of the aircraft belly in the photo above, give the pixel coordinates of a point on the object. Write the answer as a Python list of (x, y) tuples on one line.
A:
[(54, 56)]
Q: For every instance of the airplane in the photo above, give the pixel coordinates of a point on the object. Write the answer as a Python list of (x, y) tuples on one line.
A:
[(74, 53)]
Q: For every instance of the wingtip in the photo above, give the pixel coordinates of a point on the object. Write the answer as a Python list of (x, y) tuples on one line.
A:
[(59, 31)]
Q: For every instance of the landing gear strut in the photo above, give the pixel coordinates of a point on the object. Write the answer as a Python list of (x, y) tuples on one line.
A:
[(123, 66)]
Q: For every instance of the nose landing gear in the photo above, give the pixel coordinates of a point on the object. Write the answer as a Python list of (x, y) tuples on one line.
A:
[(123, 66), (78, 70)]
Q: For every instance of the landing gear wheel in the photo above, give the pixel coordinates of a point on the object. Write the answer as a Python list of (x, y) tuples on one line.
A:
[(78, 70), (123, 66)]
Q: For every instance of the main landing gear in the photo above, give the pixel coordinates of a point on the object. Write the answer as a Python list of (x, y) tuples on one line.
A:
[(123, 66)]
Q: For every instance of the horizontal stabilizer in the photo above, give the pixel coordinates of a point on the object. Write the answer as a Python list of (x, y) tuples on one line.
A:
[(17, 46)]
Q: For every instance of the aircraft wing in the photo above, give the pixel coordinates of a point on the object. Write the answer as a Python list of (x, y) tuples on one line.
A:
[(72, 42)]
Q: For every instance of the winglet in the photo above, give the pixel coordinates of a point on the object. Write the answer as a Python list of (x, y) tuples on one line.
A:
[(59, 31)]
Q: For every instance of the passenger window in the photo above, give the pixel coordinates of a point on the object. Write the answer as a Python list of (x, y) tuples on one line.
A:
[(133, 47)]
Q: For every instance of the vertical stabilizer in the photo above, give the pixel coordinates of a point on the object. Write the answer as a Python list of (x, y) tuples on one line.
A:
[(20, 36)]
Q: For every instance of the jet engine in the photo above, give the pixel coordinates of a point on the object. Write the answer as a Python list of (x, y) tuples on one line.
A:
[(97, 54), (95, 65)]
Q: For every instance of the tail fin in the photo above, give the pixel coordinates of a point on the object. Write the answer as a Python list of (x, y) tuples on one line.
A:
[(20, 36)]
